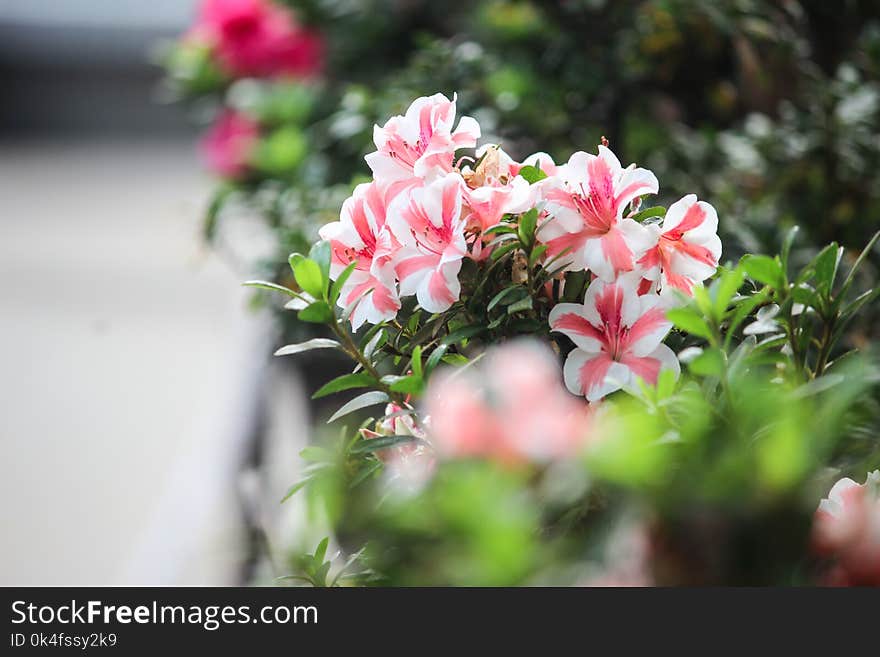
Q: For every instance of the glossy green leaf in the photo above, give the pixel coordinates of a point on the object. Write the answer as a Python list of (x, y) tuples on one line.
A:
[(345, 382), (318, 312), (763, 269)]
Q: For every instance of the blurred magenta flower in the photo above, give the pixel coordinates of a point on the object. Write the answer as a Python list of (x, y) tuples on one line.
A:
[(846, 528), (511, 408), (258, 38), (228, 145)]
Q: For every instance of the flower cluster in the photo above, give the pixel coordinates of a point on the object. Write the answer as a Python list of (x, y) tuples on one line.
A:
[(257, 38), (410, 228)]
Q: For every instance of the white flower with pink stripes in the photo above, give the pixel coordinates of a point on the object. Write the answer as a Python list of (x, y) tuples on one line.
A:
[(687, 246), (361, 236), (586, 201), (427, 222), (422, 143), (618, 336)]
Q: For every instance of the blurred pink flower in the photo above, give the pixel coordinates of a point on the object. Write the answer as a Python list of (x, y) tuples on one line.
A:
[(846, 528), (409, 466), (511, 408), (228, 145), (258, 38)]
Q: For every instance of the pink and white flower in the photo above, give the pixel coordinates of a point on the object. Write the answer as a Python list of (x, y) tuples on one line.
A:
[(422, 143), (687, 246), (586, 201), (846, 528), (618, 335), (428, 224), (229, 144), (361, 236)]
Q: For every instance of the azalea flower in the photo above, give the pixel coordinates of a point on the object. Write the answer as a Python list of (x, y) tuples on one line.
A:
[(228, 146), (428, 224), (846, 528), (493, 190), (422, 143), (258, 38), (586, 200), (361, 236), (687, 245), (618, 335), (511, 408)]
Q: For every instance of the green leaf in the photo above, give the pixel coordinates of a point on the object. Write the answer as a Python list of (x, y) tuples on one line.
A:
[(314, 343), (532, 174), (498, 298), (371, 467), (308, 276), (321, 550), (805, 294), (409, 384), (320, 253), (315, 454), (522, 304), (786, 247), (708, 363), (536, 254), (744, 308), (417, 361), (723, 290), (361, 401), (763, 269), (500, 229), (688, 320), (345, 382), (336, 288), (574, 286), (502, 251), (528, 221), (825, 266), (274, 287), (318, 313), (382, 442), (434, 358), (647, 213), (462, 334)]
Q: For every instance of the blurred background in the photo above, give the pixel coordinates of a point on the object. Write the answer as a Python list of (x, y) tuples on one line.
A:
[(131, 363), (146, 432)]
